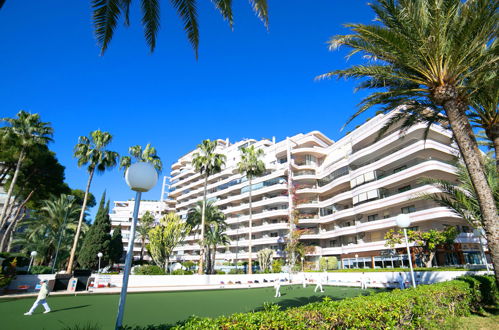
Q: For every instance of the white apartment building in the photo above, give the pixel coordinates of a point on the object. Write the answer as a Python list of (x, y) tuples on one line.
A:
[(122, 216), (347, 195)]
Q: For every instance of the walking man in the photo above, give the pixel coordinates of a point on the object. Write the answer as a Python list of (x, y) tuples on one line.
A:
[(277, 287), (41, 299), (304, 280), (363, 281), (319, 284)]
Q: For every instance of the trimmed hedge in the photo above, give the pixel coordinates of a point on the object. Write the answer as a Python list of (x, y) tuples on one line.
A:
[(148, 270), (424, 307)]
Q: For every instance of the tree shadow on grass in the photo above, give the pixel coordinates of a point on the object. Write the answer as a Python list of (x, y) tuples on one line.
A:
[(68, 308)]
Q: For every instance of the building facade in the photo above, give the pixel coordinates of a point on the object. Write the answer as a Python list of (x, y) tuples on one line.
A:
[(345, 194)]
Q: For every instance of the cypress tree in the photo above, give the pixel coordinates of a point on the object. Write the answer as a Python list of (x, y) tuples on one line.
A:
[(97, 239), (116, 248)]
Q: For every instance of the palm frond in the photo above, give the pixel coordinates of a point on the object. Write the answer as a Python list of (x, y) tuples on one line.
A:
[(151, 21), (260, 7), (225, 8), (105, 17), (187, 11)]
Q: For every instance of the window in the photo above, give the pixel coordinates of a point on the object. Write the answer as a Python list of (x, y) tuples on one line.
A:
[(465, 229), (415, 228), (408, 209), (282, 160), (332, 243), (274, 234), (372, 217), (405, 188), (401, 168)]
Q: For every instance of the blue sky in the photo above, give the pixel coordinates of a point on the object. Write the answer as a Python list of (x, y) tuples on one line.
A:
[(247, 83)]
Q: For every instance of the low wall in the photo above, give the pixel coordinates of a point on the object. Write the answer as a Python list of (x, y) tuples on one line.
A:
[(375, 279)]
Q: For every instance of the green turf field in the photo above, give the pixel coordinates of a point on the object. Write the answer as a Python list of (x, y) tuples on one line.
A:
[(156, 308)]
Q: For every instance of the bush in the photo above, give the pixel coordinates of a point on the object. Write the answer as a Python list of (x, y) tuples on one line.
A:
[(220, 272), (277, 266), (40, 270), (182, 272), (149, 270), (4, 280), (427, 306), (236, 271)]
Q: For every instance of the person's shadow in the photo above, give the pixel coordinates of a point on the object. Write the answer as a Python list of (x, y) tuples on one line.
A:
[(68, 308)]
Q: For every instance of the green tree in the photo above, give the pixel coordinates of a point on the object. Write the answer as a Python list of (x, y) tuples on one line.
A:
[(116, 246), (206, 162), (265, 258), (56, 218), (80, 195), (213, 217), (431, 54), (40, 177), (461, 198), (425, 242), (24, 132), (106, 15), (146, 222), (148, 155), (97, 239), (252, 166), (164, 237), (91, 151)]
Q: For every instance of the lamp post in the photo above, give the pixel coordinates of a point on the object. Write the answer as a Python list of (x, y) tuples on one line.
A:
[(99, 255), (478, 233), (33, 255), (70, 199), (357, 260), (403, 221), (140, 177)]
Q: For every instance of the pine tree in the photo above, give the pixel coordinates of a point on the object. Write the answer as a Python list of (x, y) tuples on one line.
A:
[(116, 248), (97, 239)]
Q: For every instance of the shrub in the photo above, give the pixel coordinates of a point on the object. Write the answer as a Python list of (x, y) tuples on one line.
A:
[(149, 270), (277, 266), (427, 306), (236, 271), (182, 272), (41, 270), (4, 280)]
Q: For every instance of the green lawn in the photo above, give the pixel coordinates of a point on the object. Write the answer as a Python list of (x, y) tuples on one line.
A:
[(156, 308)]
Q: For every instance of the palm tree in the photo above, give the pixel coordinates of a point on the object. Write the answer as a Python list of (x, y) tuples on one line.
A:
[(251, 166), (107, 13), (146, 223), (207, 162), (55, 220), (215, 236), (461, 198), (91, 151), (212, 216), (25, 131), (431, 54), (148, 155)]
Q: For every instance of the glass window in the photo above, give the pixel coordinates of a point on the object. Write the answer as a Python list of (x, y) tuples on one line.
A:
[(404, 188), (408, 209), (372, 217)]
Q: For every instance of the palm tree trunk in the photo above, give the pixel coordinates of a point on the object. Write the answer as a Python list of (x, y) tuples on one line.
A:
[(13, 223), (3, 218), (213, 258), (80, 221), (468, 146), (496, 149), (201, 245), (143, 243), (250, 261)]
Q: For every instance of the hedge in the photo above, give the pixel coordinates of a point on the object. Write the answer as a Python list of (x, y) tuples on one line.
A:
[(424, 307), (148, 270)]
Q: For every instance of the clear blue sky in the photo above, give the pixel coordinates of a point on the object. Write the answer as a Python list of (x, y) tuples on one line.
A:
[(247, 83)]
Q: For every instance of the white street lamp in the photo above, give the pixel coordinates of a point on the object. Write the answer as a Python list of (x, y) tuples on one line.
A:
[(404, 221), (99, 255), (140, 177), (478, 233), (33, 255)]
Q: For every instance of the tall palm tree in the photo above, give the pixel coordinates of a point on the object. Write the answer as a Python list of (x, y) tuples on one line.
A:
[(148, 155), (196, 221), (106, 14), (24, 131), (145, 224), (55, 220), (252, 166), (91, 151), (207, 162), (431, 54)]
